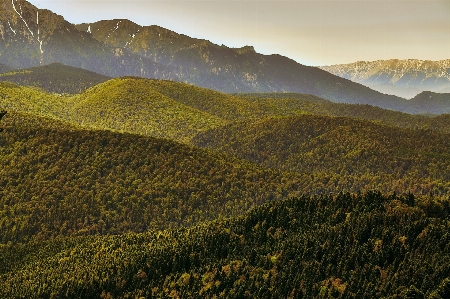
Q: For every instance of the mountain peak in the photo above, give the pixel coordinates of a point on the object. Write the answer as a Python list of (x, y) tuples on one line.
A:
[(245, 50)]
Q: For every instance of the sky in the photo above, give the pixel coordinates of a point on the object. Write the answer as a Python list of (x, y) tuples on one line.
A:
[(320, 32)]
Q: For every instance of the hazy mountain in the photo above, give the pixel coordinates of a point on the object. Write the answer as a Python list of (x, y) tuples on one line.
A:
[(31, 37), (404, 78), (55, 77)]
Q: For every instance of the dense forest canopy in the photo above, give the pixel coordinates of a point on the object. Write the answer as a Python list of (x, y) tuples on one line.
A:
[(329, 246), (140, 188)]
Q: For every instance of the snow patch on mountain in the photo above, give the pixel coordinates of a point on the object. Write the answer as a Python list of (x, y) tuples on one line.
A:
[(20, 16), (404, 78)]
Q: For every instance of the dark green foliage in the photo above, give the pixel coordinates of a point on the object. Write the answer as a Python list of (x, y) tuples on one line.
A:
[(55, 77), (58, 180), (344, 246), (341, 153)]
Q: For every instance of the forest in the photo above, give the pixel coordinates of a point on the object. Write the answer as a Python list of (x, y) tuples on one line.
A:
[(138, 188), (329, 246)]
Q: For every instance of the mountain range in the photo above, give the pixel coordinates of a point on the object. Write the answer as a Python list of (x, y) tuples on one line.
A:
[(30, 37), (403, 78)]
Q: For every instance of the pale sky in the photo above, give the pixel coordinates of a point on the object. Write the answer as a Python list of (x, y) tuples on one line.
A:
[(310, 32)]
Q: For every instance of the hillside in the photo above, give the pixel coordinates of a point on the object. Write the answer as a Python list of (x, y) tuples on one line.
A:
[(340, 153), (133, 105), (289, 104), (404, 78), (344, 246), (439, 101), (55, 77), (179, 111), (5, 68), (58, 180)]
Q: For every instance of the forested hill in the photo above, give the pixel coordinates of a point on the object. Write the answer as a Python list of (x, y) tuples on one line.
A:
[(55, 77), (178, 111), (343, 153), (57, 180), (343, 246)]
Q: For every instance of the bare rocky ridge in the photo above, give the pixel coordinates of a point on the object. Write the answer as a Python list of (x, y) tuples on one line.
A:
[(404, 78)]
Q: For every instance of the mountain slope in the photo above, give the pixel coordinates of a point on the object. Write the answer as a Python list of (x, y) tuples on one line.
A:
[(60, 180), (232, 70), (340, 153), (404, 78), (31, 37), (306, 247), (56, 77)]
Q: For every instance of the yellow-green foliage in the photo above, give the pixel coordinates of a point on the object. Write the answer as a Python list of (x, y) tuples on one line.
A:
[(125, 104), (227, 107), (33, 100), (180, 111), (133, 105)]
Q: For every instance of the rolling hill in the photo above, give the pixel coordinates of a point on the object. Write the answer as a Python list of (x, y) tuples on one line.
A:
[(338, 152), (179, 111), (426, 99), (74, 181), (55, 77)]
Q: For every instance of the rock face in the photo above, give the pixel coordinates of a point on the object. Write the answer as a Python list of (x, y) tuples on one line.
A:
[(31, 37), (404, 78)]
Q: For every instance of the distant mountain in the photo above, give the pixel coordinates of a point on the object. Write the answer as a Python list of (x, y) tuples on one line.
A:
[(403, 78), (31, 37), (56, 77)]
